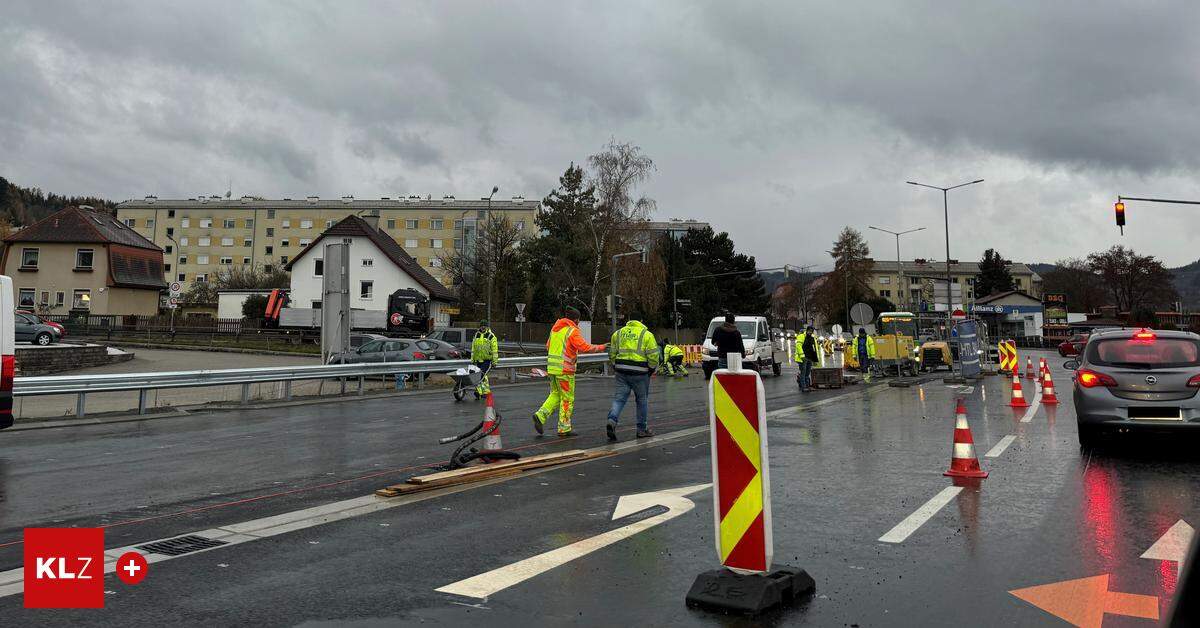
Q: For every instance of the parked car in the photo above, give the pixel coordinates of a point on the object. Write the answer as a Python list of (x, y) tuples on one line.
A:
[(441, 350), (357, 340), (29, 328), (1137, 380), (458, 336), (762, 351), (382, 350), (1073, 345), (62, 331)]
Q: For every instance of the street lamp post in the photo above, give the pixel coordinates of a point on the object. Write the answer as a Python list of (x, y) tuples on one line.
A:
[(949, 281), (491, 271), (901, 288)]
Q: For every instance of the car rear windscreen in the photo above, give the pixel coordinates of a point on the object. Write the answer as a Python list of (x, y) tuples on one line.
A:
[(1139, 353)]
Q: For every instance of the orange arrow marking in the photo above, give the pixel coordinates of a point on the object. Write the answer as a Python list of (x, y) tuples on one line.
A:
[(1084, 602)]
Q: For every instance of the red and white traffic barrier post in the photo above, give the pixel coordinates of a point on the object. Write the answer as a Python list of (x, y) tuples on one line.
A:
[(747, 582)]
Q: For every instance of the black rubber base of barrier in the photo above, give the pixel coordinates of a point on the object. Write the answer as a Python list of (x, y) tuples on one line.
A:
[(954, 380), (726, 591)]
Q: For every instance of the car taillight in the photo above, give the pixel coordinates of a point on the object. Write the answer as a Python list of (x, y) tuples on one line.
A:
[(1194, 382), (7, 371), (417, 355), (1144, 336), (1091, 379)]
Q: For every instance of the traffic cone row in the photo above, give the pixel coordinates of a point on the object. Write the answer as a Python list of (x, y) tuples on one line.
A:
[(1018, 395), (492, 439), (963, 461), (1048, 396)]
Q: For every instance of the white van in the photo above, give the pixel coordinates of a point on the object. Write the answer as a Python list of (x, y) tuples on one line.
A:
[(763, 349), (8, 341)]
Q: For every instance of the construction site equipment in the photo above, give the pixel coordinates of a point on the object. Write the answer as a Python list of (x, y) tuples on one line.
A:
[(466, 379), (895, 342)]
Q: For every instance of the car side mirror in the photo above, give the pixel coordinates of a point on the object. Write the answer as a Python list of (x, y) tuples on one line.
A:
[(1071, 364)]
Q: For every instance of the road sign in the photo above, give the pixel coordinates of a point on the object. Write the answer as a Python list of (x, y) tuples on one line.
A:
[(836, 329), (861, 313), (683, 302), (175, 288), (520, 308), (520, 318), (959, 315), (173, 301), (741, 480)]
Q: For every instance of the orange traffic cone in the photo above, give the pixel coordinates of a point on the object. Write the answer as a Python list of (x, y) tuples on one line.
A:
[(1048, 396), (1018, 395), (963, 461), (1041, 373), (1029, 368), (490, 428)]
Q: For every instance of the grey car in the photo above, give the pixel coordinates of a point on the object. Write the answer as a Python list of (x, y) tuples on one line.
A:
[(1131, 380), (383, 350), (28, 328)]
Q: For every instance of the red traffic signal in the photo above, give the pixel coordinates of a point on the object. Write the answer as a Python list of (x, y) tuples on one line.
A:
[(1120, 207)]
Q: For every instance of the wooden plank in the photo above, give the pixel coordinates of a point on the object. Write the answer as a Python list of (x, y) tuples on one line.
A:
[(523, 462), (489, 472)]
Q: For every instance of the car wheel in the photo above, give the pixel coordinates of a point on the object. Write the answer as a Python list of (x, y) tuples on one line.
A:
[(43, 339), (776, 368), (1089, 436)]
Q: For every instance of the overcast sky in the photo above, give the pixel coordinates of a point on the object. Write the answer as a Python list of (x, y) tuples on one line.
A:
[(779, 123)]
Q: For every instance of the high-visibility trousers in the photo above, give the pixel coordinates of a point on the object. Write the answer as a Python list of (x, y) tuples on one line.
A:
[(562, 396), (484, 386)]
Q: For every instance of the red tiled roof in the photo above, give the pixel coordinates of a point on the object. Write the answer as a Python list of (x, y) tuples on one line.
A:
[(132, 267), (75, 224), (356, 226)]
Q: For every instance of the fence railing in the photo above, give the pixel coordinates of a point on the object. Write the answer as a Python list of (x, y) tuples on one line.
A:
[(143, 383)]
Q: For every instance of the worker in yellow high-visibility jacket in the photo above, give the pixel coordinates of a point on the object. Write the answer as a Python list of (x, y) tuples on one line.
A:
[(634, 355), (562, 348), (484, 351)]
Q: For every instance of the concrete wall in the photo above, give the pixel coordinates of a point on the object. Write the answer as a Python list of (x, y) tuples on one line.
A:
[(63, 357)]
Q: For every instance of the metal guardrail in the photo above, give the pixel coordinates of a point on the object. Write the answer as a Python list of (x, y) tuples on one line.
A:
[(81, 385)]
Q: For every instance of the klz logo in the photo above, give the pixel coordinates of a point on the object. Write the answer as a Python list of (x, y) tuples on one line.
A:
[(64, 568)]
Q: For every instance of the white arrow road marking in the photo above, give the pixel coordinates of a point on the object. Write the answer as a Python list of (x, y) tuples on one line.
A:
[(496, 580), (1172, 545)]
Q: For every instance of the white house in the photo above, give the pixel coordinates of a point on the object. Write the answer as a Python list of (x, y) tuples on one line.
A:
[(379, 266)]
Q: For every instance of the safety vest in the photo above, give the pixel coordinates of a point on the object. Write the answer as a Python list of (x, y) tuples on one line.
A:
[(670, 351), (484, 346), (633, 349), (798, 352), (556, 351), (865, 344)]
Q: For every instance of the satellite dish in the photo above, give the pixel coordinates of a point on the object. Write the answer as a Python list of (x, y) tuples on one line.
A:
[(861, 314)]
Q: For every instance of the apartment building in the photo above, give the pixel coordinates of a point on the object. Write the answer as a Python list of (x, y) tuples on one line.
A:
[(918, 281), (200, 236)]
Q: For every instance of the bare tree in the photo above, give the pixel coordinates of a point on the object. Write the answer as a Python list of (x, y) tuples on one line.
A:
[(615, 174), (491, 263)]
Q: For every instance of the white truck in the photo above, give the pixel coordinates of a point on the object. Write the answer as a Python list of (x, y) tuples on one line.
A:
[(762, 349)]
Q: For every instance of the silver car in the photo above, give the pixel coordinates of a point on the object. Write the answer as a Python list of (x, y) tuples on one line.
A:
[(1130, 380)]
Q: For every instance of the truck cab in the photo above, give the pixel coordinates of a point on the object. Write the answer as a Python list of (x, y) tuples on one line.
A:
[(763, 350)]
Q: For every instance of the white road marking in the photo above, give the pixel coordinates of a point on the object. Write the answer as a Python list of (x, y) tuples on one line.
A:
[(496, 580), (1034, 404), (926, 512), (995, 452), (1173, 545)]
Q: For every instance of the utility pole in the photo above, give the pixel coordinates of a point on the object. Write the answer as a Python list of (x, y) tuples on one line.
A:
[(491, 271)]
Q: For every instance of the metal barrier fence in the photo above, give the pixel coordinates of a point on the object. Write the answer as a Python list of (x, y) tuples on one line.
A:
[(82, 385)]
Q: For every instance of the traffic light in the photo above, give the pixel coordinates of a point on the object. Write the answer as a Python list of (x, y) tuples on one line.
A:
[(1120, 208)]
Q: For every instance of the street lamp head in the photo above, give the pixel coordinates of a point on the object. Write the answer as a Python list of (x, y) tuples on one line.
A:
[(496, 188)]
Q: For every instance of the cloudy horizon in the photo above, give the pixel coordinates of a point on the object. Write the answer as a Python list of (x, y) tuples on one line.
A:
[(779, 125)]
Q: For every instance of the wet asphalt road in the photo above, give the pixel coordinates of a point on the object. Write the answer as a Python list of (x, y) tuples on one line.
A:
[(843, 473)]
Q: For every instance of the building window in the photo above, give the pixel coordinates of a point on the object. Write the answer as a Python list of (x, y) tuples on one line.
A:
[(435, 243), (520, 225), (247, 242), (410, 243), (226, 241), (885, 280), (180, 277), (81, 299), (435, 262), (249, 223), (45, 298), (25, 297), (286, 223), (970, 281), (410, 223), (328, 224), (150, 223), (60, 298), (131, 222), (202, 277), (185, 223), (316, 305), (168, 249), (368, 262), (227, 261), (270, 250), (366, 289), (458, 224), (170, 230), (270, 214), (436, 224), (167, 267), (305, 242), (245, 261), (29, 258), (283, 259), (270, 232), (204, 241), (970, 294), (318, 267), (202, 260), (206, 223), (284, 242), (183, 241), (83, 259), (391, 223), (885, 293), (182, 260), (457, 244), (170, 213), (229, 223), (306, 224)]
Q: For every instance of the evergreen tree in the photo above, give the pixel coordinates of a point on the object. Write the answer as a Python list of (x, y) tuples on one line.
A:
[(994, 276)]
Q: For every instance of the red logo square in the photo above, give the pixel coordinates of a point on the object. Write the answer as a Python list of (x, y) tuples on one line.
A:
[(64, 568)]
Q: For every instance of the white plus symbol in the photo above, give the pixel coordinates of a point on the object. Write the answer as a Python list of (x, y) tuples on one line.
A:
[(132, 568)]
